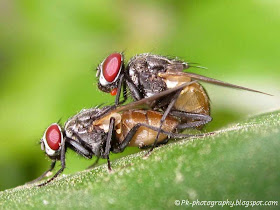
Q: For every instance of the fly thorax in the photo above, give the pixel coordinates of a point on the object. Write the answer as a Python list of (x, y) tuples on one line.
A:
[(94, 139), (151, 83)]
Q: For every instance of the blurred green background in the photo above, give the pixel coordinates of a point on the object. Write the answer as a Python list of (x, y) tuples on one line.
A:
[(49, 51)]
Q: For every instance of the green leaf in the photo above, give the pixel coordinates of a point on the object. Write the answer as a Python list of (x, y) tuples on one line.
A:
[(238, 162)]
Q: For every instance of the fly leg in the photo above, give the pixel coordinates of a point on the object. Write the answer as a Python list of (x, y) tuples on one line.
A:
[(44, 174), (202, 119), (120, 85), (134, 90), (94, 164), (78, 148), (166, 112), (108, 142), (73, 144), (133, 130), (62, 158)]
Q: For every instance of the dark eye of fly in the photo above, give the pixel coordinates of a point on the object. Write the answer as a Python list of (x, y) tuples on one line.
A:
[(53, 137), (112, 66)]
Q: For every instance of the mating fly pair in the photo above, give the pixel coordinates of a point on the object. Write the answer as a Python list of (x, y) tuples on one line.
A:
[(177, 99), (99, 131)]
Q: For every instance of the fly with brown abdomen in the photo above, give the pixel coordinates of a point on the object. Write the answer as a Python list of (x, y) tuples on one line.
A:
[(99, 131)]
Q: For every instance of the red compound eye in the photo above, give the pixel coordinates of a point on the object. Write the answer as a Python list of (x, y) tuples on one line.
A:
[(53, 137), (112, 66)]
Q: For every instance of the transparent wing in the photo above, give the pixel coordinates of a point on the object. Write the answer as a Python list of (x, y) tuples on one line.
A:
[(208, 80)]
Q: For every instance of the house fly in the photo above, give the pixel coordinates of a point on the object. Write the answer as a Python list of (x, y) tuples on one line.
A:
[(99, 131), (146, 75)]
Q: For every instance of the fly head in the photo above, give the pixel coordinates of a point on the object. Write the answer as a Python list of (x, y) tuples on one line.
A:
[(109, 72), (52, 140)]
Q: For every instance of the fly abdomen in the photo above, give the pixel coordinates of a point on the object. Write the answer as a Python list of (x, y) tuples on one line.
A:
[(193, 99), (144, 136)]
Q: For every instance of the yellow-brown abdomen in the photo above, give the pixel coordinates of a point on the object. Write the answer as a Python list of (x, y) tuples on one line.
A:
[(144, 136), (194, 99)]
